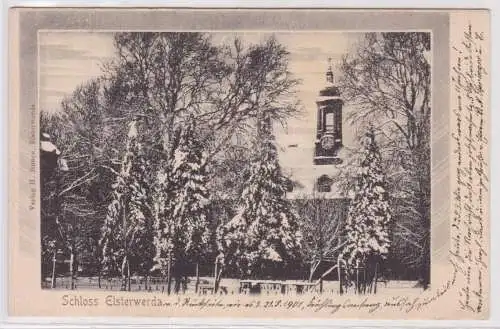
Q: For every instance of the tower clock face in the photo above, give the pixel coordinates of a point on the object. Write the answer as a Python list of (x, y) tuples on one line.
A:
[(327, 142)]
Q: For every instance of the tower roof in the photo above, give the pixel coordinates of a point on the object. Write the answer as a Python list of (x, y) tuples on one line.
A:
[(330, 90)]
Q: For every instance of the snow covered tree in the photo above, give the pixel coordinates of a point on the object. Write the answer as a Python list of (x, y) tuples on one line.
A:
[(141, 218), (111, 234), (127, 232), (183, 233), (88, 145), (263, 239), (321, 225), (157, 79), (164, 227), (368, 221), (386, 81)]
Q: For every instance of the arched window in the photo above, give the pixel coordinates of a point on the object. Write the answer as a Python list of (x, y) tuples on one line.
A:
[(329, 122), (324, 184)]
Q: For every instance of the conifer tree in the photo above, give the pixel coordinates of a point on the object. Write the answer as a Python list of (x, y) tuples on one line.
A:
[(183, 229), (263, 239), (164, 228), (127, 232), (368, 221)]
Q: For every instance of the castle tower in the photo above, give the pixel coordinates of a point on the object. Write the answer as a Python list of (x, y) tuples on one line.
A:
[(329, 123)]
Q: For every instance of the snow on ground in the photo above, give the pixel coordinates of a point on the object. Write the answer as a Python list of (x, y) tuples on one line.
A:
[(231, 286)]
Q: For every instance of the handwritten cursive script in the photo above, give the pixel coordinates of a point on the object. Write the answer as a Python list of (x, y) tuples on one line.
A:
[(470, 144)]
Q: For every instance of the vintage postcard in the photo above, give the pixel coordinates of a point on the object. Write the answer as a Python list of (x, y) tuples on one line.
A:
[(314, 164)]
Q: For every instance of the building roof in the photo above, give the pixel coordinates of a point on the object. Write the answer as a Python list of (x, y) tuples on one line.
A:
[(47, 146)]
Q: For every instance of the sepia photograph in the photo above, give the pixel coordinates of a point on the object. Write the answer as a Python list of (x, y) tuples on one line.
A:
[(265, 164), (235, 163)]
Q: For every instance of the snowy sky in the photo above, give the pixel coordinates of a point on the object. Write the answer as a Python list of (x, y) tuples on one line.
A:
[(69, 58)]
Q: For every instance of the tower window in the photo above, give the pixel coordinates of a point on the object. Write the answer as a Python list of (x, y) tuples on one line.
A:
[(329, 122)]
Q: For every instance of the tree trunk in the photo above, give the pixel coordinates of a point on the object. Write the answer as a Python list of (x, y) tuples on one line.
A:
[(218, 278), (197, 277), (169, 272), (339, 273), (178, 281), (365, 278), (357, 280), (184, 283), (215, 277), (313, 269), (128, 274), (375, 279), (125, 264), (72, 264), (124, 273), (54, 260)]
